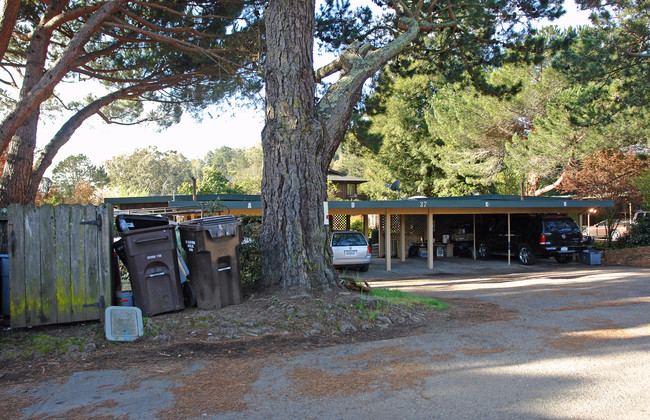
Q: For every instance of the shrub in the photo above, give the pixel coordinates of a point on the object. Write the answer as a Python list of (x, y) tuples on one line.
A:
[(357, 224), (639, 235), (250, 259)]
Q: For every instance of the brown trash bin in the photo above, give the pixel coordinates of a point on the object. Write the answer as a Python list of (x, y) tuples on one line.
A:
[(153, 267), (212, 247)]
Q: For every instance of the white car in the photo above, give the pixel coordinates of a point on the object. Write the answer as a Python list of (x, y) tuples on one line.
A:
[(599, 230), (350, 249)]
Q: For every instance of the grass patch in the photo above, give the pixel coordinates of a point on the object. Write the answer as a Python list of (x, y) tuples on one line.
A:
[(45, 344), (403, 298)]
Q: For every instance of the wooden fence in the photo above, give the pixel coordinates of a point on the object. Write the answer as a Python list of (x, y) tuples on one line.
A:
[(59, 263)]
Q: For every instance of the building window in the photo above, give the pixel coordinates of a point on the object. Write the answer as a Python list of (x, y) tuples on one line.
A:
[(351, 189)]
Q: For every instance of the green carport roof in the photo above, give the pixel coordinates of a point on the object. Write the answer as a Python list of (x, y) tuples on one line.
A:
[(448, 205)]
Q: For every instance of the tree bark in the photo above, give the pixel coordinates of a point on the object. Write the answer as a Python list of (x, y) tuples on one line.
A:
[(20, 152), (293, 237), (300, 138), (9, 10)]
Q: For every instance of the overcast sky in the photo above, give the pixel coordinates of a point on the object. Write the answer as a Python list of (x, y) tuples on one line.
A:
[(236, 128)]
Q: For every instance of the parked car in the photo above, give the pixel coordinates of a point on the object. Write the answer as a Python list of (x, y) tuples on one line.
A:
[(599, 230), (621, 227), (531, 236), (639, 214), (350, 249)]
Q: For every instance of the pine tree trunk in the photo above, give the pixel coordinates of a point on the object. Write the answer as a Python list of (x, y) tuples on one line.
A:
[(18, 167), (293, 237), (18, 128), (9, 14), (20, 151)]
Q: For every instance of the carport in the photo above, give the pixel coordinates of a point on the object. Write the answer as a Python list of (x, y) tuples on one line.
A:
[(396, 212), (393, 213)]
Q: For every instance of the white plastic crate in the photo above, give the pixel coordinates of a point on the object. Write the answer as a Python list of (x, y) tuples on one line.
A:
[(589, 257)]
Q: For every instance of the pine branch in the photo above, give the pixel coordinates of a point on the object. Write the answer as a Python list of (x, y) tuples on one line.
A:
[(44, 88)]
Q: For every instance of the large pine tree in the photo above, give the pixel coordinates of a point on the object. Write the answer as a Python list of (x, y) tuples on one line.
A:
[(302, 132)]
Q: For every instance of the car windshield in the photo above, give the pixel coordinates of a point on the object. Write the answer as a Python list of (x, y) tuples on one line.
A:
[(348, 239), (559, 225)]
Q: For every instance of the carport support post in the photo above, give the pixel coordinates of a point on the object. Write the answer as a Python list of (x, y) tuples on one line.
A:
[(430, 240), (365, 225), (580, 221), (402, 237), (474, 235), (509, 243), (379, 237), (387, 226)]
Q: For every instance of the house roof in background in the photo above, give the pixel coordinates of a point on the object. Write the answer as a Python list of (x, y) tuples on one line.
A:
[(336, 176)]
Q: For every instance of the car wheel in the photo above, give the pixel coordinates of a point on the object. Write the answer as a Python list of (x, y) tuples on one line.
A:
[(526, 256), (482, 250), (364, 268), (616, 235), (564, 258)]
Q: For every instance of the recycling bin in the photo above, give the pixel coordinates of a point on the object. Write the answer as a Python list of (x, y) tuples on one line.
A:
[(153, 267), (212, 247)]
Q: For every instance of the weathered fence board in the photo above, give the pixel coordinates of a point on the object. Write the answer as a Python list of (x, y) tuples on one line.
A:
[(63, 267), (59, 261), (32, 265), (16, 238), (77, 282), (48, 267), (91, 250)]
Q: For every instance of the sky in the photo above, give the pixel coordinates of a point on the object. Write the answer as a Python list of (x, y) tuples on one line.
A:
[(236, 128)]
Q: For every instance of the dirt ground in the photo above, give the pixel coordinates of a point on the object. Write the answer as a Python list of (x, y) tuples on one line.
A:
[(262, 325), (243, 345), (259, 327), (633, 257)]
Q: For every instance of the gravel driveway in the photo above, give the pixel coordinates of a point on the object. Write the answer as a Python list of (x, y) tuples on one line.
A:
[(573, 342)]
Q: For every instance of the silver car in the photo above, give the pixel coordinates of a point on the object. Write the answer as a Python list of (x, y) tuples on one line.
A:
[(350, 249)]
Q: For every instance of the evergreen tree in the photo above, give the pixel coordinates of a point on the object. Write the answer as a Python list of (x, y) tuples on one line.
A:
[(73, 170), (148, 172), (303, 130), (180, 56)]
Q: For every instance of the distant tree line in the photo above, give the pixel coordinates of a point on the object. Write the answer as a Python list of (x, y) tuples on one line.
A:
[(149, 171)]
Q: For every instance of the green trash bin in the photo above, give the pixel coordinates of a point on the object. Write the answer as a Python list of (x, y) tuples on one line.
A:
[(212, 247), (153, 267)]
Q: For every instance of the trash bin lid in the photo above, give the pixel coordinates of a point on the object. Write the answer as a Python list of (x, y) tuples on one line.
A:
[(216, 226), (128, 222), (145, 231)]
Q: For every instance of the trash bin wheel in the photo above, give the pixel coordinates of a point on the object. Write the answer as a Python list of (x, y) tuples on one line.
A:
[(189, 297)]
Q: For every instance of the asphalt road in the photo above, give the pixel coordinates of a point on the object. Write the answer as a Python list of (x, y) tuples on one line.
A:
[(574, 343)]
